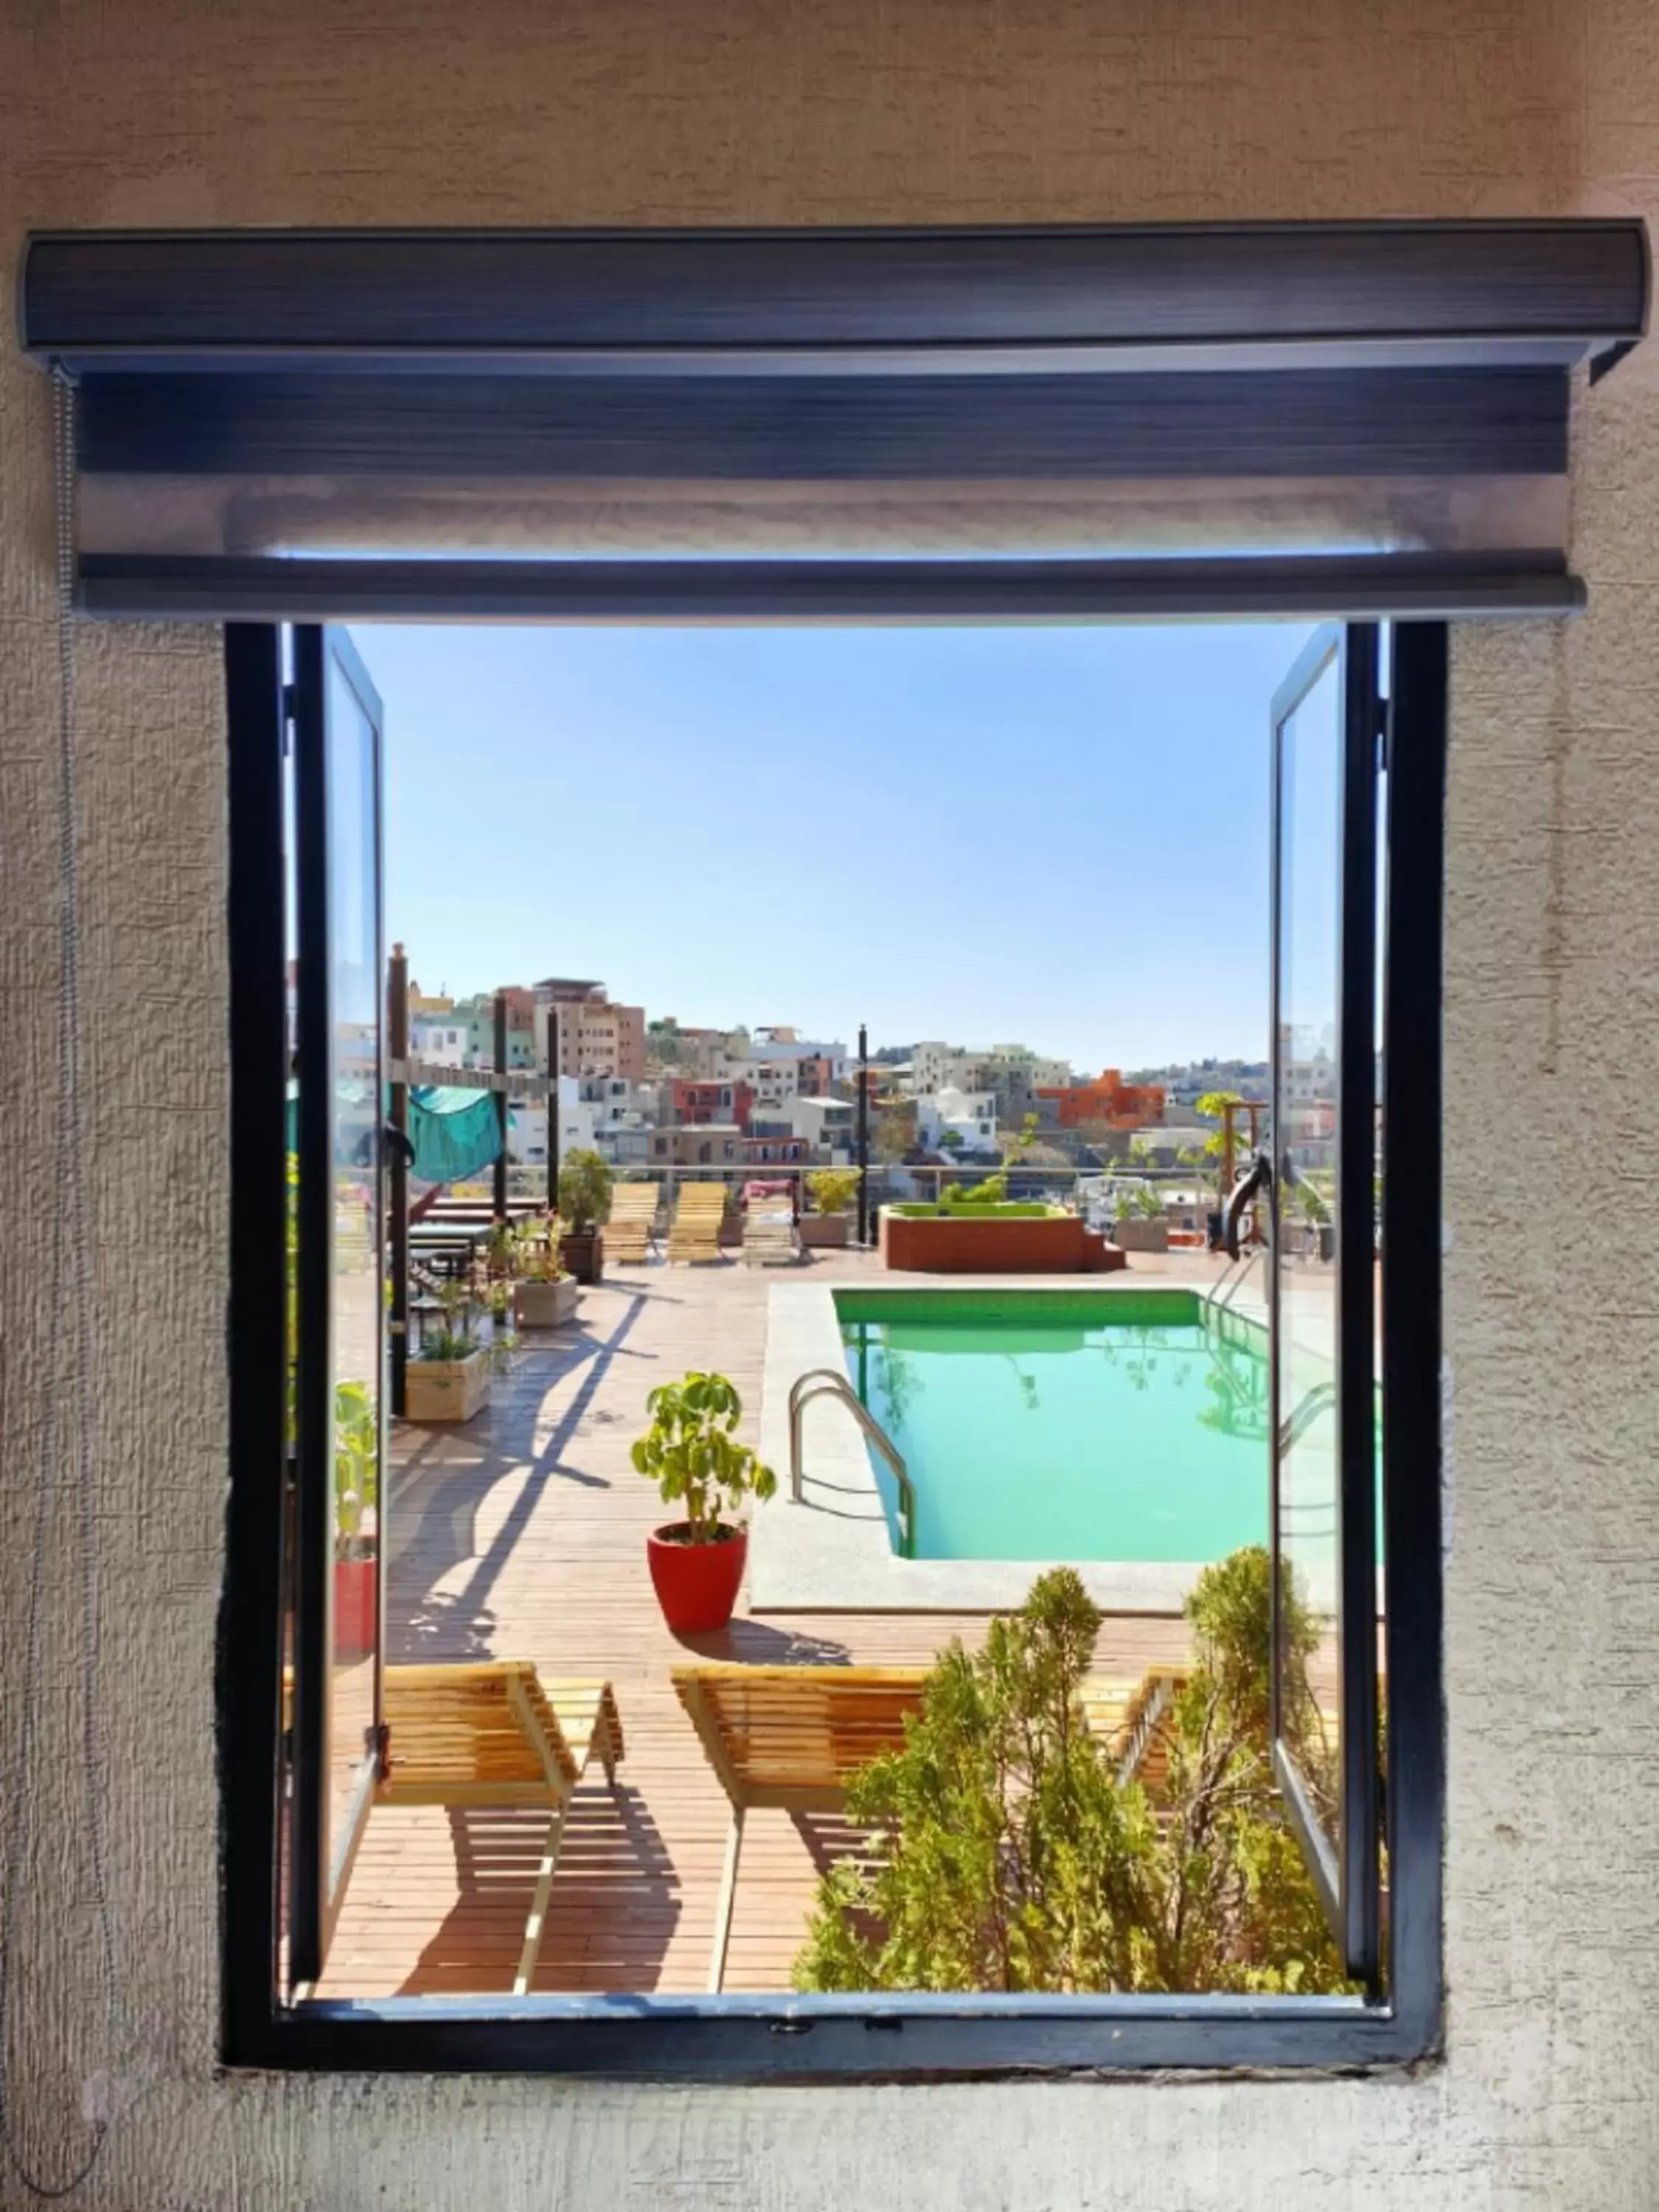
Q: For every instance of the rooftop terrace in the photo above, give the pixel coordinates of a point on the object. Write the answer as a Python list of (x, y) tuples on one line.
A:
[(522, 1536)]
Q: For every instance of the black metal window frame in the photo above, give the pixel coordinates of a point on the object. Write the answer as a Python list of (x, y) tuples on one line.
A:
[(785, 2036)]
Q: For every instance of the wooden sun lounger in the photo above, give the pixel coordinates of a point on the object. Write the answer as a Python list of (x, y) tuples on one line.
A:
[(494, 1735), (698, 1212), (769, 1233), (632, 1225), (789, 1739)]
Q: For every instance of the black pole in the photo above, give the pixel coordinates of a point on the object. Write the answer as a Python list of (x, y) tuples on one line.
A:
[(864, 1134), (501, 1104), (397, 1031), (552, 1113)]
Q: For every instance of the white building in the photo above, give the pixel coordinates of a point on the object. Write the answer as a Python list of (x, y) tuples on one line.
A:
[(935, 1066), (526, 1127), (442, 1038), (968, 1117), (827, 1123)]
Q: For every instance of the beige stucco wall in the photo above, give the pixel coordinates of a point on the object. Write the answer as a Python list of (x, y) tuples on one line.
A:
[(803, 111)]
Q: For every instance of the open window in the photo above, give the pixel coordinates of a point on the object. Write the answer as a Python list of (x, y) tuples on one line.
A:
[(1327, 730), (1082, 425), (338, 1570)]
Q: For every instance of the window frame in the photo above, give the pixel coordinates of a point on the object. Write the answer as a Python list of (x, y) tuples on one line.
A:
[(885, 2038)]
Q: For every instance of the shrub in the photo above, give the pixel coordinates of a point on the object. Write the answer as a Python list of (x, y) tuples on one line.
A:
[(992, 1191), (1006, 1856), (834, 1189)]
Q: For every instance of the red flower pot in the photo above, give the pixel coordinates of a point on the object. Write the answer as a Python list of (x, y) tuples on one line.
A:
[(356, 1599), (696, 1585)]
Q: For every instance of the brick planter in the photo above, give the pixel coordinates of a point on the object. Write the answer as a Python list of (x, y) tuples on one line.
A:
[(1027, 1243)]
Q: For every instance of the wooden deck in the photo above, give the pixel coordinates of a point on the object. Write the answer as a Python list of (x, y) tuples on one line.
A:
[(523, 1536)]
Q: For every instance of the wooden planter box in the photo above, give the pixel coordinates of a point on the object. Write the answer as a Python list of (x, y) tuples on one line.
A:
[(824, 1232), (445, 1389), (1029, 1241), (583, 1255), (545, 1305), (1138, 1234)]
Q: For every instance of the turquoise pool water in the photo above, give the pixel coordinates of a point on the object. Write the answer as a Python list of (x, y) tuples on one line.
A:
[(1066, 1426)]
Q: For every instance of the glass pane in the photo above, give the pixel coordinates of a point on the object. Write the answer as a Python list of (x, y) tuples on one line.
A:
[(356, 1322), (1306, 1121)]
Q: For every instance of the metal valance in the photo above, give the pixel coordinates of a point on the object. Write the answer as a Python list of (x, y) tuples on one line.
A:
[(819, 424)]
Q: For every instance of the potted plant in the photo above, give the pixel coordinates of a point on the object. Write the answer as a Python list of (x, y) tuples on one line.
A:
[(356, 1565), (692, 1455), (543, 1294), (1318, 1215), (501, 1250), (448, 1377), (834, 1192), (585, 1186), (1138, 1221)]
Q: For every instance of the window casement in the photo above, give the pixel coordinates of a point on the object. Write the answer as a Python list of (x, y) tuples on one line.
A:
[(1219, 414)]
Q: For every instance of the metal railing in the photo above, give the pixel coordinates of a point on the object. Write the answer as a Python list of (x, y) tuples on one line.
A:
[(1304, 1413), (826, 1383)]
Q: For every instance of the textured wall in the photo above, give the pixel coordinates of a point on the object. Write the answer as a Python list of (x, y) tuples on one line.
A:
[(390, 112)]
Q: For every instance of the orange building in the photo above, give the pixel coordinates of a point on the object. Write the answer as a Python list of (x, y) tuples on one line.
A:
[(1108, 1098)]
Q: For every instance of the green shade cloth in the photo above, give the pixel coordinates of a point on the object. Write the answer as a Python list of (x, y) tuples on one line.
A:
[(455, 1131)]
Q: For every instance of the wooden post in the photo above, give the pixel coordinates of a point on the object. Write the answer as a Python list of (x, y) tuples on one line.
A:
[(501, 1105), (1228, 1175), (397, 1037)]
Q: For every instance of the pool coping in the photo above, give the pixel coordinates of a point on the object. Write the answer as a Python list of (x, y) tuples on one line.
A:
[(832, 1551)]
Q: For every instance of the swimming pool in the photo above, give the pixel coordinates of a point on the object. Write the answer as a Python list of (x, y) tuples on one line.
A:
[(1112, 1426)]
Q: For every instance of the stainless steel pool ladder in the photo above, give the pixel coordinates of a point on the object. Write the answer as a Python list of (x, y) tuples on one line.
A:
[(826, 1383), (1222, 1299), (1220, 1302)]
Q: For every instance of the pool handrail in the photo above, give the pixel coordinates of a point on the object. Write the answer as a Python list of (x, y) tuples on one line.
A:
[(826, 1383)]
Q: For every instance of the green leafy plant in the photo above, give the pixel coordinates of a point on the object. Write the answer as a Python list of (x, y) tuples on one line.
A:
[(457, 1338), (834, 1190), (949, 1140), (1151, 1202), (1006, 1855), (501, 1248), (992, 1191), (1015, 1147), (357, 1460), (586, 1181), (1311, 1202), (536, 1252), (692, 1455)]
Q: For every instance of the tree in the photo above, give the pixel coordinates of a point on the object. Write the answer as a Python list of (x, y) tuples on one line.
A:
[(1212, 1106), (949, 1140), (1008, 1856), (1009, 1859), (894, 1135)]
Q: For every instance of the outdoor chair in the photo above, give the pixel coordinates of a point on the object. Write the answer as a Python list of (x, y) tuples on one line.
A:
[(790, 1739), (492, 1736), (699, 1211), (629, 1232), (769, 1233)]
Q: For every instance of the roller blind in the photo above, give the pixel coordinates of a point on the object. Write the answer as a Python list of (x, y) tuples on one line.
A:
[(1345, 418)]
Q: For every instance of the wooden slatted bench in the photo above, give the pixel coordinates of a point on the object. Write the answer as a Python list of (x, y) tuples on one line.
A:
[(632, 1222), (493, 1735)]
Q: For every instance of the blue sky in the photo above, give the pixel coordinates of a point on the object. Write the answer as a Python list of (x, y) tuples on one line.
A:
[(1057, 835)]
